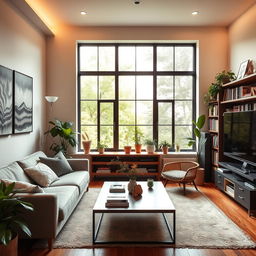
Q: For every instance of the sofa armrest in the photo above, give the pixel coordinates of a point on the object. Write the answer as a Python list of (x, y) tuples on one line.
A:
[(43, 221), (79, 164)]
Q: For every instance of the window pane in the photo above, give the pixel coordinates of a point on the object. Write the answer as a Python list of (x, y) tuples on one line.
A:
[(165, 87), (184, 58), (164, 58), (181, 133), (106, 113), (144, 87), (107, 58), (92, 133), (164, 113), (126, 112), (183, 87), (126, 136), (183, 112), (127, 87), (88, 85), (144, 112), (88, 58), (88, 112), (126, 58), (147, 132), (106, 135), (144, 58), (107, 87), (165, 133)]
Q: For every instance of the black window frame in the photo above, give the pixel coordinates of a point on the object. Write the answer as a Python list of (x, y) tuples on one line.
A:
[(153, 73)]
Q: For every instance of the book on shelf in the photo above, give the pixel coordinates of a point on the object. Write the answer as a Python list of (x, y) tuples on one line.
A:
[(213, 124), (103, 170), (215, 141), (141, 170), (117, 188)]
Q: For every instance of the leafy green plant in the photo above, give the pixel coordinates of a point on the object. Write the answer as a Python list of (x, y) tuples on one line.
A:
[(101, 145), (164, 143), (10, 214), (65, 133), (150, 142), (213, 90), (225, 77), (138, 137)]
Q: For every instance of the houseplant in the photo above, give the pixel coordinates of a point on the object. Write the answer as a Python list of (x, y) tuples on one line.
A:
[(138, 140), (101, 147), (11, 208), (86, 142), (150, 146), (65, 134), (164, 145), (127, 148)]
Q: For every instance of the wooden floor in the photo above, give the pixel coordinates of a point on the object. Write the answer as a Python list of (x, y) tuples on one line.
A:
[(228, 206)]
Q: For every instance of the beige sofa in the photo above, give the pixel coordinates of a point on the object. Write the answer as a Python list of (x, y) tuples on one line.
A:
[(53, 207)]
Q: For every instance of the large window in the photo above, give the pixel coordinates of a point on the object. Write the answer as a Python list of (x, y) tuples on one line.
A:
[(148, 87)]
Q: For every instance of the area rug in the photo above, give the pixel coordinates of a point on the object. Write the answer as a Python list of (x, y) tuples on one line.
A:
[(199, 224)]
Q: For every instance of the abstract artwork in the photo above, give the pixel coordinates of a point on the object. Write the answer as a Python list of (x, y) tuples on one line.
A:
[(23, 103), (6, 100)]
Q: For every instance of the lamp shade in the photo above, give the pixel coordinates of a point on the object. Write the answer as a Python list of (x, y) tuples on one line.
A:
[(51, 99)]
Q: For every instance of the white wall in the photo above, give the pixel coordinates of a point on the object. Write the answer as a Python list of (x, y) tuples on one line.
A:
[(23, 48), (242, 39)]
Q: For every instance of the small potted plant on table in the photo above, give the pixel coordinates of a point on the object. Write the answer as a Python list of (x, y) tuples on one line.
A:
[(101, 147)]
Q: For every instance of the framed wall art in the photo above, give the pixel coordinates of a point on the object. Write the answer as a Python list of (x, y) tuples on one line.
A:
[(6, 101), (23, 103), (242, 69)]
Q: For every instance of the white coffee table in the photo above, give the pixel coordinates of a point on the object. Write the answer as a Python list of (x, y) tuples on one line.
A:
[(152, 201)]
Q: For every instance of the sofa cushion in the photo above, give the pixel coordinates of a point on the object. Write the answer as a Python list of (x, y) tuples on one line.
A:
[(23, 187), (14, 172), (78, 178), (31, 160), (67, 197), (42, 174), (58, 164)]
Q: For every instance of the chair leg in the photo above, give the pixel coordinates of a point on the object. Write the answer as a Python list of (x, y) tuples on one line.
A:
[(195, 185), (184, 189), (165, 183), (50, 244)]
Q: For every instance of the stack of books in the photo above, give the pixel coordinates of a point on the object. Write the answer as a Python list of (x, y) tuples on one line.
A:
[(117, 188), (103, 170), (117, 201)]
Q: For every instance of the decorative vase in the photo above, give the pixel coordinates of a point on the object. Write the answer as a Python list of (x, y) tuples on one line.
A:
[(131, 185), (101, 150), (177, 148), (138, 148), (127, 149), (165, 150), (150, 149), (11, 248), (86, 146), (150, 183)]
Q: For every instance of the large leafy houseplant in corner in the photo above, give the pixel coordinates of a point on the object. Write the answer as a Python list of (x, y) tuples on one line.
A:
[(11, 208), (65, 134)]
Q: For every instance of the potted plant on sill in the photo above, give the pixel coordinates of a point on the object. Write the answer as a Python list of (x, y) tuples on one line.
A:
[(86, 142), (10, 219), (138, 140), (101, 147), (127, 148), (164, 145), (66, 135), (150, 146)]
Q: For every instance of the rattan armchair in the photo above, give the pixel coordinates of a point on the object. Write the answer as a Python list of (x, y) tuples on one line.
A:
[(181, 172)]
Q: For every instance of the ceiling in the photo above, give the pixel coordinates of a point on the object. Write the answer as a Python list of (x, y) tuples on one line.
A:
[(147, 13)]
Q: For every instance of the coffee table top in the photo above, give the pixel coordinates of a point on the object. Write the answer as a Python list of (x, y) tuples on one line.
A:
[(152, 200)]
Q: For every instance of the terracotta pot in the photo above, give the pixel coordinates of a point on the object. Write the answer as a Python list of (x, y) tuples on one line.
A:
[(199, 180), (86, 146), (101, 150), (165, 150), (138, 148), (150, 149), (127, 149), (11, 249)]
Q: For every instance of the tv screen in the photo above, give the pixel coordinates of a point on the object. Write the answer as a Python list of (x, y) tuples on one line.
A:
[(240, 136)]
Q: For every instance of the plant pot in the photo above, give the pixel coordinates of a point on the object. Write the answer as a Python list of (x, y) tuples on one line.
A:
[(199, 180), (86, 146), (165, 150), (101, 150), (150, 149), (10, 249), (138, 148), (131, 185), (127, 149)]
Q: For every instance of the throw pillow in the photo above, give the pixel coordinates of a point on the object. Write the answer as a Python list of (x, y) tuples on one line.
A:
[(59, 164), (23, 187), (41, 174)]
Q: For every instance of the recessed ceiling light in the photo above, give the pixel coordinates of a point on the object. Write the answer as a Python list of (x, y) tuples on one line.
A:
[(195, 13), (83, 13)]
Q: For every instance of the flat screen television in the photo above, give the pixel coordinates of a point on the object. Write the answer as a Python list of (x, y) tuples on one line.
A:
[(240, 136)]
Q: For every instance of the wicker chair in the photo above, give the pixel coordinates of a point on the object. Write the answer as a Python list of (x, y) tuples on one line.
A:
[(180, 172)]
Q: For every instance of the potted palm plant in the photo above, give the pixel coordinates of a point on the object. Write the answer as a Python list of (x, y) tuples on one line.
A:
[(11, 208), (138, 140), (164, 145), (65, 134)]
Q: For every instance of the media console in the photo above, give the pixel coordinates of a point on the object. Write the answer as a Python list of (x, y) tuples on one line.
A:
[(237, 184)]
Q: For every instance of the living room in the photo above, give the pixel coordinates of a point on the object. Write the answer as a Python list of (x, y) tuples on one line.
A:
[(43, 44)]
